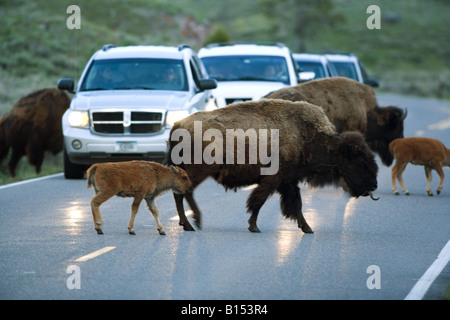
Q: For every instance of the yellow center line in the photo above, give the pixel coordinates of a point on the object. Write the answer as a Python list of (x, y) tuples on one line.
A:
[(94, 254)]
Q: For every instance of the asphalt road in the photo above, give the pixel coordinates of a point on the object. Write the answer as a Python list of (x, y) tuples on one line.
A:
[(361, 249)]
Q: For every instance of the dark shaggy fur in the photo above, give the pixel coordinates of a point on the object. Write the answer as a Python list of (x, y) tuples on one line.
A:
[(353, 106), (32, 127)]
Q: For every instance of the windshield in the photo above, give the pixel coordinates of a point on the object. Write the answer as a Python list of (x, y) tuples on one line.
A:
[(247, 68), (145, 74), (346, 69)]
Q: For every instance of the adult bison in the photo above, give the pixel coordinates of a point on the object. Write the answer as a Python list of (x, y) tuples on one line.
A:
[(32, 127), (351, 105), (305, 143)]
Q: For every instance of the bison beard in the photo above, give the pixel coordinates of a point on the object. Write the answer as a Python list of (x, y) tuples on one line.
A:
[(310, 151)]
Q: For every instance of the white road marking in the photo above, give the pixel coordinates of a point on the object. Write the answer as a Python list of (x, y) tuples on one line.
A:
[(14, 184), (94, 254), (424, 283)]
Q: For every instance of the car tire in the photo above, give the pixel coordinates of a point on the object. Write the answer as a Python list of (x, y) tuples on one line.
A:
[(72, 170)]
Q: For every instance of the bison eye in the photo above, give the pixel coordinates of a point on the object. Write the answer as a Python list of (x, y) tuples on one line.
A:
[(184, 178)]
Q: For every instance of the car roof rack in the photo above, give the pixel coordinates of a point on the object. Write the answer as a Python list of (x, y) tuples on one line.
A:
[(106, 47), (261, 43)]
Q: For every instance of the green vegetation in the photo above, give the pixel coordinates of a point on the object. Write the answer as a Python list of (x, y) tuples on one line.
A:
[(409, 54)]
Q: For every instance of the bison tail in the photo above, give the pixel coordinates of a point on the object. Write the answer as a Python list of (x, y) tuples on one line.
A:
[(90, 176)]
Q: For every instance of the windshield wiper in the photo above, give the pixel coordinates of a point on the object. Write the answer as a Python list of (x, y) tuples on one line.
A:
[(94, 89), (133, 87)]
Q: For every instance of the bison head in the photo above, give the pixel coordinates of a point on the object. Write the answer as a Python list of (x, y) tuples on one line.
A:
[(383, 126), (356, 164)]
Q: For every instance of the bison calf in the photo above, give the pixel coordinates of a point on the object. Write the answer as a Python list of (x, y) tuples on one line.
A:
[(428, 152), (137, 179)]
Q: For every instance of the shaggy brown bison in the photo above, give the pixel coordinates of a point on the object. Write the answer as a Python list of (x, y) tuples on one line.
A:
[(351, 105), (305, 143), (32, 127)]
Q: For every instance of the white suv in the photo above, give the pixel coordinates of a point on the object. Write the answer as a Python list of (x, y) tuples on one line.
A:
[(126, 101), (348, 65), (248, 71)]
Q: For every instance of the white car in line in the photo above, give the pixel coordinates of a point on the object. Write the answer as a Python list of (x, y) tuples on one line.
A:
[(248, 71)]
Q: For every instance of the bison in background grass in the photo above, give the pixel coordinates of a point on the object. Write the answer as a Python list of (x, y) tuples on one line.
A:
[(352, 106), (309, 149), (32, 127)]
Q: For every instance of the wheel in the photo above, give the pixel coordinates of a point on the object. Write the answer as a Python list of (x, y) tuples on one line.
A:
[(72, 170)]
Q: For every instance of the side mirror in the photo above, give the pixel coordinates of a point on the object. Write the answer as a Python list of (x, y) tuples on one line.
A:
[(307, 75), (66, 84), (372, 82), (207, 84)]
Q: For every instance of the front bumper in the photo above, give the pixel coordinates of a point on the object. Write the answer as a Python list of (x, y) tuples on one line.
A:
[(83, 147)]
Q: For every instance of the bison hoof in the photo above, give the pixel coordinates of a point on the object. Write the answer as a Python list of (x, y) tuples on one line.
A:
[(438, 192), (198, 225), (407, 193), (396, 193), (188, 227), (430, 194), (132, 233), (254, 229), (99, 231), (307, 229), (162, 233)]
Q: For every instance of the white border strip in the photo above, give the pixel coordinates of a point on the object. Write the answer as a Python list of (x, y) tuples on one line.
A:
[(14, 184), (424, 283)]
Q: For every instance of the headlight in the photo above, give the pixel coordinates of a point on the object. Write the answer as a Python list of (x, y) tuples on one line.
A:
[(78, 119), (174, 116)]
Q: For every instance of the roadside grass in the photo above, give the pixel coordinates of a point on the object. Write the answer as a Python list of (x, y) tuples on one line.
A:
[(24, 171)]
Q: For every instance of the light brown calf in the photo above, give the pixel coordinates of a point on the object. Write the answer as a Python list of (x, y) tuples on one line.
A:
[(137, 179), (428, 152)]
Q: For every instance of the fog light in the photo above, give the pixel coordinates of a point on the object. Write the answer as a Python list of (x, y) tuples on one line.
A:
[(76, 144)]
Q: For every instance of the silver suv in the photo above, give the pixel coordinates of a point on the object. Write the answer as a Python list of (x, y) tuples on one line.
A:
[(126, 101)]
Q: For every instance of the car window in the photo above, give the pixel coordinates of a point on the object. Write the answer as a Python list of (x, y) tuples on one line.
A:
[(346, 69), (316, 67), (247, 68), (146, 74)]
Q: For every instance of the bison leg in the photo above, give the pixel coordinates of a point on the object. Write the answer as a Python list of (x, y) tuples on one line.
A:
[(441, 177), (291, 205), (429, 177), (180, 209), (397, 171), (96, 201), (255, 201), (15, 157), (35, 154), (197, 215), (155, 212), (134, 210)]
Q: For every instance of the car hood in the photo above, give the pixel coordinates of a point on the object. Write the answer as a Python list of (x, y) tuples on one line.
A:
[(130, 98), (245, 89)]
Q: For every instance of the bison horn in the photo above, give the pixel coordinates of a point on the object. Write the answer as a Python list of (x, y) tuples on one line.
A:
[(405, 114), (372, 197)]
